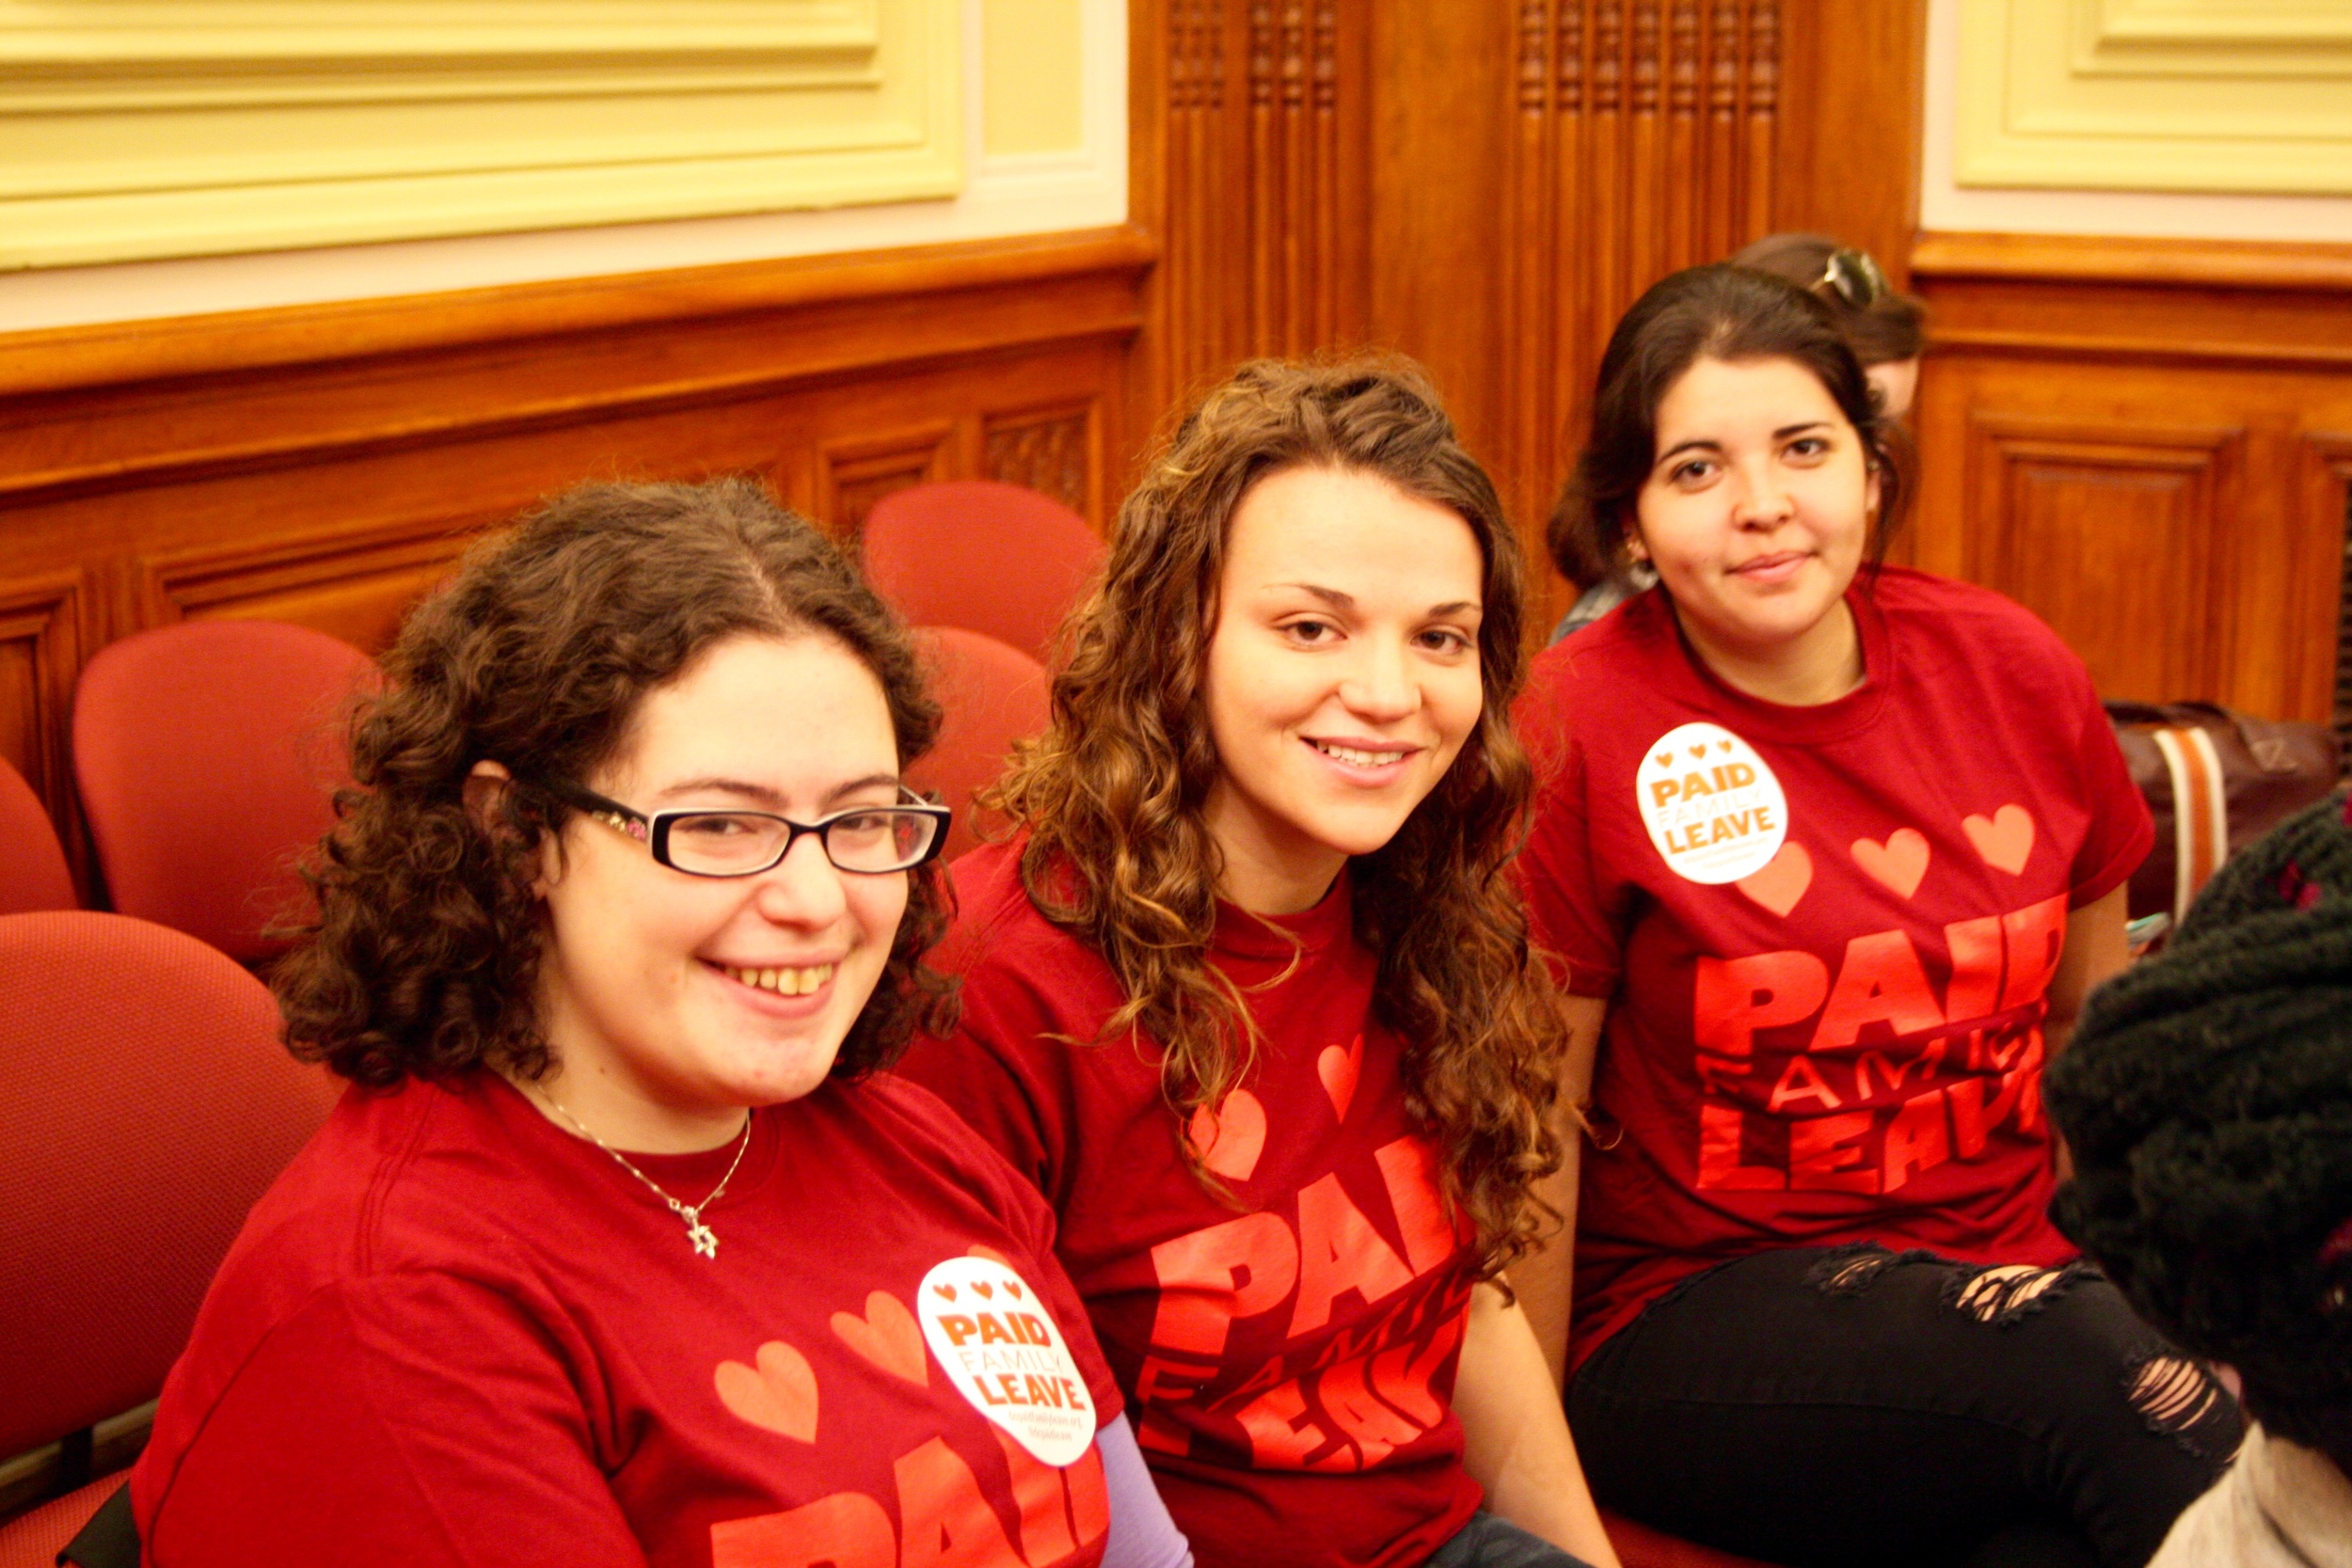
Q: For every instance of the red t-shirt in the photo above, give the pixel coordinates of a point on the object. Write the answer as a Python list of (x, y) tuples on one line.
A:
[(1826, 932), (453, 1334), (1289, 1355)]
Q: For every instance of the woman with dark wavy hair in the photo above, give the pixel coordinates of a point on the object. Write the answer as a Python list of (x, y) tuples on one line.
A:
[(617, 1251), (1248, 995), (1831, 853)]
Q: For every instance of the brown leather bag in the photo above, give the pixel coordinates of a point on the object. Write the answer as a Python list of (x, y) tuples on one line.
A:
[(2216, 780)]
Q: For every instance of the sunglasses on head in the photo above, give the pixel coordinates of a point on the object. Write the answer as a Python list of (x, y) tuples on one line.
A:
[(1854, 278)]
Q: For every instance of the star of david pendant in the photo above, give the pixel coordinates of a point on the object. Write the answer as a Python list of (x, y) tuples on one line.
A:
[(705, 1242)]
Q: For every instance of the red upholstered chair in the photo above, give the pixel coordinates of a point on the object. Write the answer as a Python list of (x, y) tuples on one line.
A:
[(33, 875), (1640, 1546), (992, 695), (144, 1103), (991, 558), (207, 754)]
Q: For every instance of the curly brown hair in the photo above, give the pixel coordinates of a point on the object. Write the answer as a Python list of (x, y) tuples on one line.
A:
[(423, 957), (1119, 852)]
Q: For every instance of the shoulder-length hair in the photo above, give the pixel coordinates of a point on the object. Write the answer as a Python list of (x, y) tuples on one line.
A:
[(1119, 852), (1712, 312), (424, 958)]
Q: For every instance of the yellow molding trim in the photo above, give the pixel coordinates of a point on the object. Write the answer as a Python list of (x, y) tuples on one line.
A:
[(206, 127), (2165, 95)]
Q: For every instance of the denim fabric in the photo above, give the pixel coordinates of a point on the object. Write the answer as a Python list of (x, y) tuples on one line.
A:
[(1488, 1542), (1823, 1407)]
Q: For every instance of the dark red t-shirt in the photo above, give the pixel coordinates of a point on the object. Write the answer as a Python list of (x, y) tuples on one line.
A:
[(1289, 1355), (1826, 932), (453, 1334)]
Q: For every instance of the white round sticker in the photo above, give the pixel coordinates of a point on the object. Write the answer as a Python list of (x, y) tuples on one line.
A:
[(1003, 1352), (1712, 807)]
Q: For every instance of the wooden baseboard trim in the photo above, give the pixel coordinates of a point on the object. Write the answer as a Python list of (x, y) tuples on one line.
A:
[(2116, 259), (114, 353)]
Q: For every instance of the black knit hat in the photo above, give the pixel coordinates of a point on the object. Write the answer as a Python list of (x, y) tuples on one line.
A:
[(2208, 1100)]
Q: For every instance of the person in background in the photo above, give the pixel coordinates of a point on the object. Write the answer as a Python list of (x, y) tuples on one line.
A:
[(2207, 1101), (618, 1251), (1887, 330), (1248, 995), (1830, 854)]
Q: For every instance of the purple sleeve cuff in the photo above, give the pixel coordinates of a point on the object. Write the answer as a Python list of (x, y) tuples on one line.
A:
[(1141, 1534)]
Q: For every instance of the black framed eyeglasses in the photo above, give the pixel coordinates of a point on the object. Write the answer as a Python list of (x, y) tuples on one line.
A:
[(870, 840), (1855, 278)]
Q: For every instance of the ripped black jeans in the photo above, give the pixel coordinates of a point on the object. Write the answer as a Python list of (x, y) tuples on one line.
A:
[(1822, 1407)]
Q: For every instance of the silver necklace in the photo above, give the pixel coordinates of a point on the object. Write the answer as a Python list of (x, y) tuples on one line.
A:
[(705, 1242)]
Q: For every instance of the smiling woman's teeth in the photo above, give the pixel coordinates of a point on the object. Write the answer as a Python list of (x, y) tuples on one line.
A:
[(783, 982), (1349, 753)]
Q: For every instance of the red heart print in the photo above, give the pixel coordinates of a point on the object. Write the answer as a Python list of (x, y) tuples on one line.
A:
[(1899, 862), (1012, 1289), (1338, 1069), (887, 1336), (778, 1394), (1232, 1138), (1782, 881), (2005, 839), (988, 1291), (947, 1292)]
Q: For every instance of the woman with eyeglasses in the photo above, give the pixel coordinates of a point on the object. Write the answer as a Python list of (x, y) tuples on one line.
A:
[(1248, 995), (617, 1251), (1831, 854)]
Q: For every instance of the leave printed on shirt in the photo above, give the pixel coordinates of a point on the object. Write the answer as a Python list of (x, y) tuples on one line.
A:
[(1002, 1353), (1244, 1366), (1862, 1079)]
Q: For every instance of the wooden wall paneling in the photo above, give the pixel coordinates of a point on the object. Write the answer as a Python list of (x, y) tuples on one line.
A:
[(1849, 90), (2221, 573), (2111, 531), (1249, 140), (854, 473), (355, 586), (1057, 451), (327, 469), (45, 636)]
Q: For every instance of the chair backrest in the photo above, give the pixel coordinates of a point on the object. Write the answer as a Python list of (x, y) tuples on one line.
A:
[(995, 559), (144, 1103), (208, 754), (33, 874), (990, 695)]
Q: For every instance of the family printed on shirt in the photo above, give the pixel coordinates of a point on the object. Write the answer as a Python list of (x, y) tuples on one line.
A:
[(1368, 1054)]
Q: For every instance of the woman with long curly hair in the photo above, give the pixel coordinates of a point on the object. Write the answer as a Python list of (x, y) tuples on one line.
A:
[(617, 1251), (1248, 994)]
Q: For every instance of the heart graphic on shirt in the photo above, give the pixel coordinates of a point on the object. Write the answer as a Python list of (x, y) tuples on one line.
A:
[(947, 1292), (887, 1336), (1782, 881), (2004, 839), (778, 1395), (1338, 1069), (975, 1251), (1231, 1137), (1665, 759), (1899, 862), (1012, 1289), (988, 1291), (1698, 752)]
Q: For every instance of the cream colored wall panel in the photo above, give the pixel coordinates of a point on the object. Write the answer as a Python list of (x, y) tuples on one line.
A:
[(1035, 59), (131, 131), (2181, 95)]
